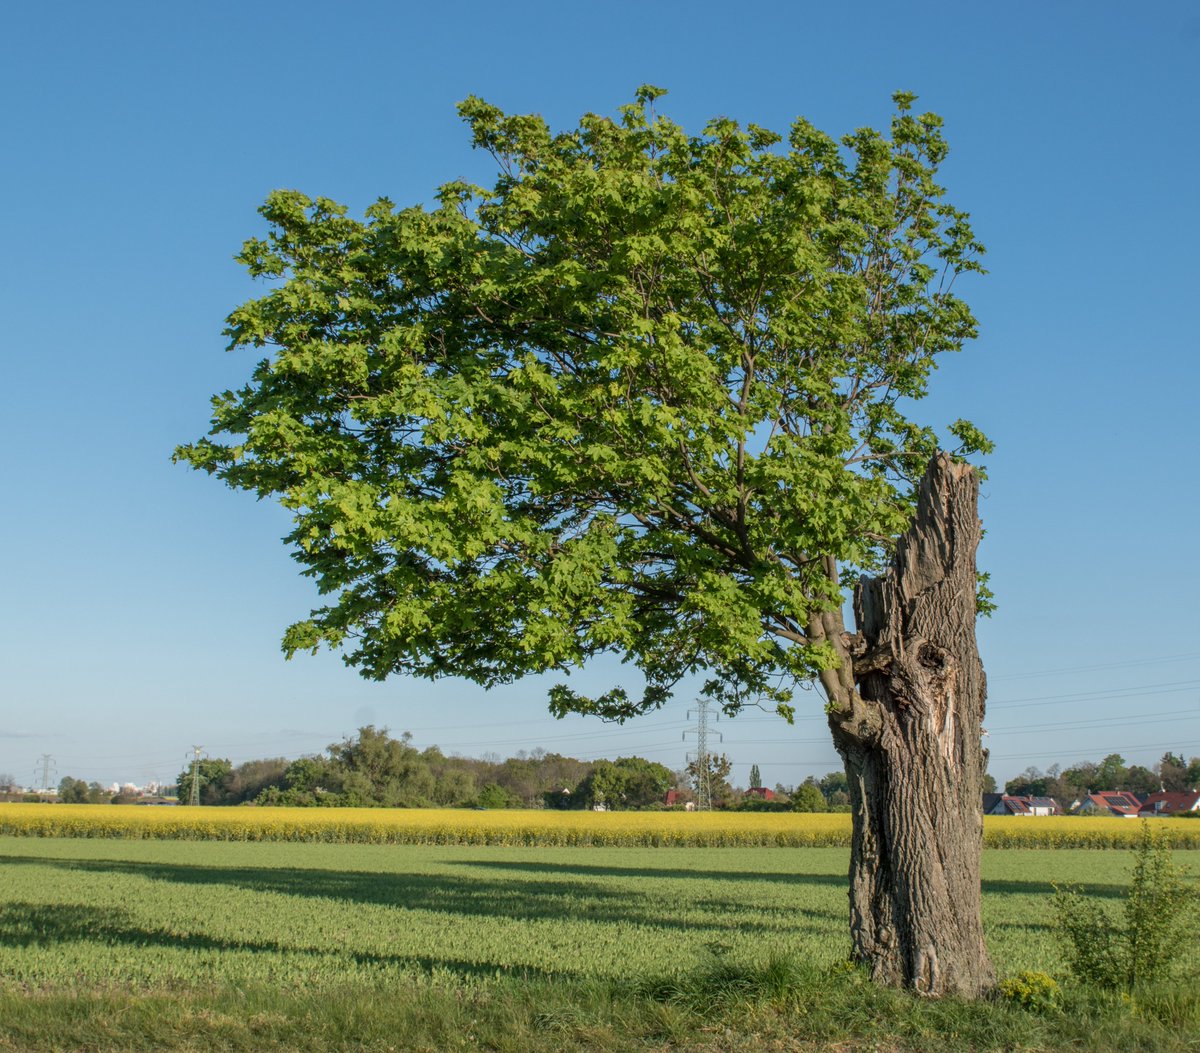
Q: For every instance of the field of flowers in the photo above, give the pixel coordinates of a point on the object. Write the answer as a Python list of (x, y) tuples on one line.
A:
[(541, 828)]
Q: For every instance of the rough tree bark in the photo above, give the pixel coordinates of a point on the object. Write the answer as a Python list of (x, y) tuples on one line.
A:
[(906, 711)]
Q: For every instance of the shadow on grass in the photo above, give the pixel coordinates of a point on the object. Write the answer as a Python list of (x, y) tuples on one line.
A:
[(660, 873), (991, 886), (38, 924), (553, 897)]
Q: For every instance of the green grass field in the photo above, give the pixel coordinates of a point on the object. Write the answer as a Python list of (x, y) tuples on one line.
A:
[(153, 913), (146, 920)]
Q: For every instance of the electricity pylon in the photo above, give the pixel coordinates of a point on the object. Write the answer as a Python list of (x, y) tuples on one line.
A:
[(703, 764), (46, 763), (194, 796)]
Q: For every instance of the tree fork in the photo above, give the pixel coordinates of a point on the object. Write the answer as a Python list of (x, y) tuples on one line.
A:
[(910, 739)]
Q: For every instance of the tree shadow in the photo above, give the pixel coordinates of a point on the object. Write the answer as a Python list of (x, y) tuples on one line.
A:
[(671, 873), (1020, 887), (25, 924), (552, 898)]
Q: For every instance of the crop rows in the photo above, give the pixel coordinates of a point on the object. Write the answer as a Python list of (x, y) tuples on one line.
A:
[(536, 828)]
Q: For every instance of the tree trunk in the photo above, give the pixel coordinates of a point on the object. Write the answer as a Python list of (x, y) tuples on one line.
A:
[(910, 739)]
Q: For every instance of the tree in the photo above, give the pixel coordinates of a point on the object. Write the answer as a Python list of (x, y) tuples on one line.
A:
[(493, 796), (627, 782), (212, 773), (72, 791), (1032, 782), (836, 788), (808, 797), (1173, 773), (1111, 772), (649, 394), (251, 778), (377, 769), (755, 777), (1082, 778), (717, 769), (1139, 779)]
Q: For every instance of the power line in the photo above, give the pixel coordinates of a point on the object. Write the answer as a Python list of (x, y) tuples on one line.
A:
[(1126, 746), (1183, 656), (1171, 687), (1115, 722)]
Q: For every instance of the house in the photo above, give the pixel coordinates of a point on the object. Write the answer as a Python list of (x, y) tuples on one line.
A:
[(1167, 803), (1003, 804), (674, 799), (761, 792), (1118, 802)]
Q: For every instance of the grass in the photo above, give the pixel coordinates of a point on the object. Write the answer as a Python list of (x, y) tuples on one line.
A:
[(784, 1006), (121, 945)]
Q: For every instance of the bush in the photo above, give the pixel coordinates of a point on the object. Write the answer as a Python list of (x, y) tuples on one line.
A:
[(494, 796), (1032, 990), (808, 798), (1151, 933)]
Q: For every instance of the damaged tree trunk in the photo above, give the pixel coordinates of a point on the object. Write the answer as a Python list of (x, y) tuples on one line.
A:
[(907, 722)]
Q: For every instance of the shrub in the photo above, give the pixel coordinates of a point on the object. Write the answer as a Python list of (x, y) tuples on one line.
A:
[(1149, 936), (1032, 990)]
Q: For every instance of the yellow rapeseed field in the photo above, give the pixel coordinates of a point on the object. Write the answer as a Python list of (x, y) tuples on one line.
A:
[(441, 826)]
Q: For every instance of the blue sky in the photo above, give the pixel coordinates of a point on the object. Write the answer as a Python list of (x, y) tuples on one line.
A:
[(143, 603)]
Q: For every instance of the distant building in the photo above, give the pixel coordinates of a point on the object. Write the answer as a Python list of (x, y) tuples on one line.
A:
[(675, 798), (1004, 804), (761, 792), (1118, 802), (1167, 803)]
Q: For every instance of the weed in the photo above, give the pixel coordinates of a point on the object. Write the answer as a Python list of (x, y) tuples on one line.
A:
[(1032, 990), (1148, 938)]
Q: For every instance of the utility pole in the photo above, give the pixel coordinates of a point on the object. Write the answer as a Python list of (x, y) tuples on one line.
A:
[(703, 765), (46, 763), (194, 796)]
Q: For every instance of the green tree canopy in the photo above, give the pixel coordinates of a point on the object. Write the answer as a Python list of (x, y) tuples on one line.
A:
[(809, 798), (212, 773), (72, 791), (626, 783), (646, 394)]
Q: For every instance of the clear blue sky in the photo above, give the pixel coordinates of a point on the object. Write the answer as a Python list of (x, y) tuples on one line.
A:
[(143, 603)]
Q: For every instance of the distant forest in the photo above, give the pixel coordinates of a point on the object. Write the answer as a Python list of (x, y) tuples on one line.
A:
[(375, 769)]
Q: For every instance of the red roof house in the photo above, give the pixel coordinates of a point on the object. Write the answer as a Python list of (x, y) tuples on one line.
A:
[(1116, 802), (1168, 803)]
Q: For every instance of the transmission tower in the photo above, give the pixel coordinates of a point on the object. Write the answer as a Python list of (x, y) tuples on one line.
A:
[(194, 796), (44, 765), (701, 757)]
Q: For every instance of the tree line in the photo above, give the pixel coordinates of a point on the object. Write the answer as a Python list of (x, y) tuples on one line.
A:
[(375, 769), (1171, 773)]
